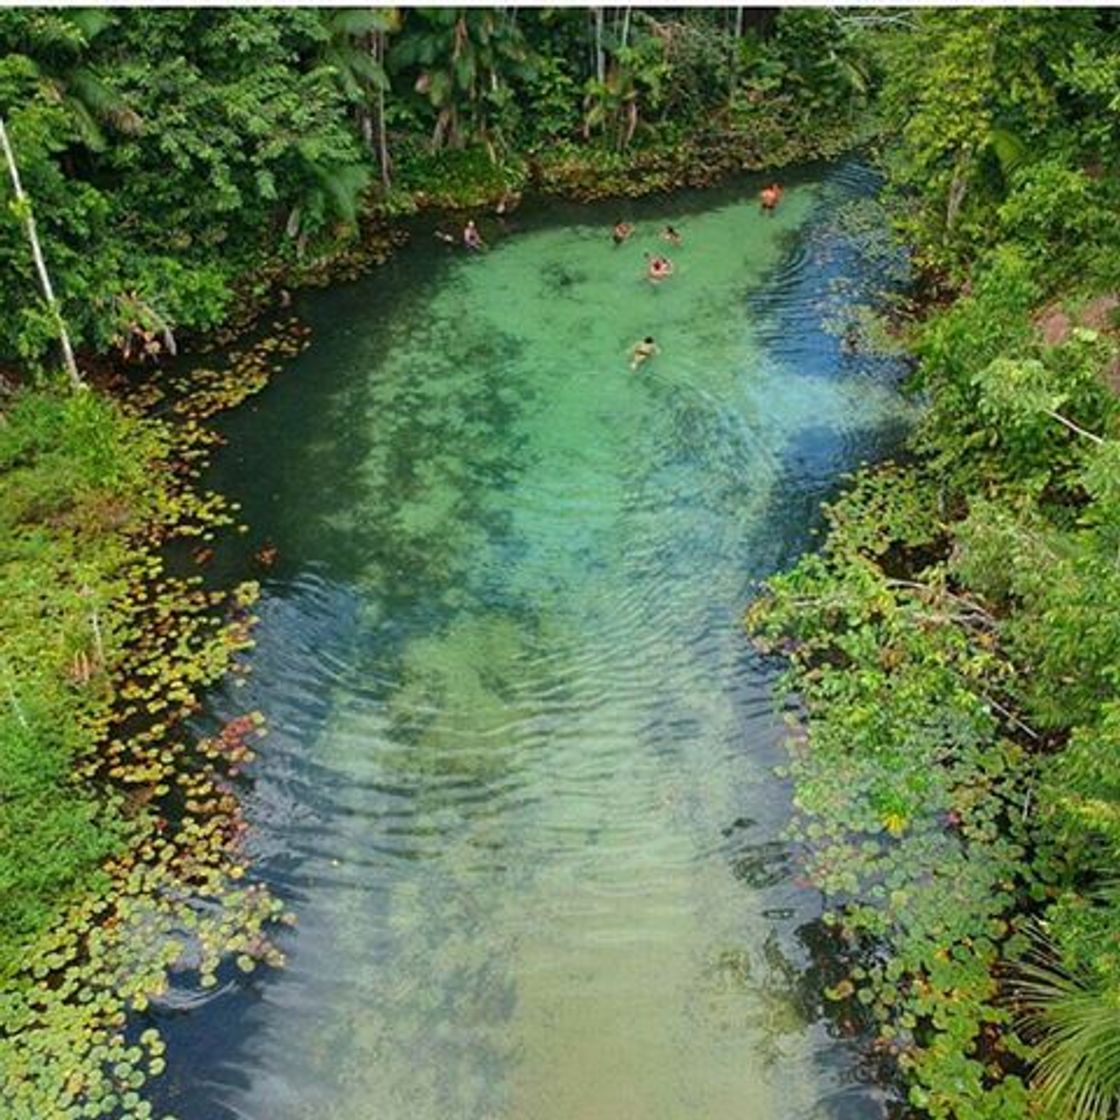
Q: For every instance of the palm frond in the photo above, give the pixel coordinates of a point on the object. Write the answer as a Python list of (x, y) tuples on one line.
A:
[(343, 185), (85, 124), (91, 22), (1074, 1023), (1009, 150), (100, 99), (356, 22)]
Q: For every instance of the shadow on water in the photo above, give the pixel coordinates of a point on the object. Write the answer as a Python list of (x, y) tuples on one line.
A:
[(519, 783)]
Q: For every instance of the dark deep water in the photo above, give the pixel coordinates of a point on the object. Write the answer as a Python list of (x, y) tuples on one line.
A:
[(519, 784)]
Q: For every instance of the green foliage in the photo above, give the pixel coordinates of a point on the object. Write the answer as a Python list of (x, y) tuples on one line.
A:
[(1075, 1020), (71, 472), (956, 643), (701, 56), (453, 179), (985, 104), (166, 155), (121, 859), (904, 784), (815, 55), (632, 86), (938, 640), (460, 60), (555, 97)]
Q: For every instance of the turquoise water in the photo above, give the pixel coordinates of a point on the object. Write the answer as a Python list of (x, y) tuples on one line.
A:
[(519, 786)]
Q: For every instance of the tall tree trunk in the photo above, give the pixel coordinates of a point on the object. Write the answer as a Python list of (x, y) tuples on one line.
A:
[(383, 141), (735, 53), (40, 264), (958, 188), (591, 40), (600, 57), (625, 26), (382, 133)]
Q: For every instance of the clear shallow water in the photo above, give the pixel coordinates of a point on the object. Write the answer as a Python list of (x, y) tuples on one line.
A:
[(519, 782)]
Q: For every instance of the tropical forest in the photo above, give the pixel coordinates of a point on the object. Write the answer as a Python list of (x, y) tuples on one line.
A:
[(560, 563)]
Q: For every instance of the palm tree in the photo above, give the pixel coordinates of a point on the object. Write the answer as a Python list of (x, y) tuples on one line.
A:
[(57, 42), (355, 51), (634, 80), (1073, 1019), (332, 189), (465, 57)]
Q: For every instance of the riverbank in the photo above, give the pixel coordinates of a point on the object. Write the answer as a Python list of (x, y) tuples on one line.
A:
[(955, 643), (933, 770), (123, 860)]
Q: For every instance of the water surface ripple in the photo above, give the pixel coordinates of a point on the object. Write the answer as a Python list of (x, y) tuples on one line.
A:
[(519, 784)]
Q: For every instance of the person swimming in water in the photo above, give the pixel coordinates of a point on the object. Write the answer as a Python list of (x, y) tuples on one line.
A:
[(472, 239), (621, 232), (671, 235), (769, 197), (642, 352), (658, 268)]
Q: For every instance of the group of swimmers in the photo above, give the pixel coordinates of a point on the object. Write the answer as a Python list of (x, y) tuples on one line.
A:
[(658, 266)]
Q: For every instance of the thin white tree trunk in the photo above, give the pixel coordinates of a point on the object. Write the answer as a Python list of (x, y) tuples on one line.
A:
[(958, 188), (600, 58), (9, 681), (734, 68), (40, 264), (382, 135), (625, 25), (1074, 427)]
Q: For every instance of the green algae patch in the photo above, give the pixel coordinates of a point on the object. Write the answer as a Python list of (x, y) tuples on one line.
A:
[(122, 861)]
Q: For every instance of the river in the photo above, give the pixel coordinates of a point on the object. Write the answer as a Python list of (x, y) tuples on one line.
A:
[(519, 785)]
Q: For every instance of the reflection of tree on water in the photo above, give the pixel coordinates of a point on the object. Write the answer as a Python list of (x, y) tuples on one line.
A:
[(782, 979), (444, 448), (561, 279)]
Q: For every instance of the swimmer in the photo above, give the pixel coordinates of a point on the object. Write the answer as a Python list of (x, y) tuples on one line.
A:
[(472, 239), (643, 351), (769, 197), (622, 230), (658, 268), (671, 235), (446, 238)]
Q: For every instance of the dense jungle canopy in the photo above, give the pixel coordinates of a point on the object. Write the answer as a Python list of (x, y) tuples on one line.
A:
[(955, 641)]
